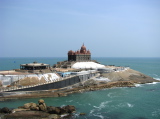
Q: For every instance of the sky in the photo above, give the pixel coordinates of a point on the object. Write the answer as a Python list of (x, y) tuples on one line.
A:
[(108, 28)]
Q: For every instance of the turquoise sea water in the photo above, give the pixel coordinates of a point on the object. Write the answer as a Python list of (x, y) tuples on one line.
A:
[(141, 102)]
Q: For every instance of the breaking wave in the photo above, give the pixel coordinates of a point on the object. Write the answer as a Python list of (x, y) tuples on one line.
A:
[(157, 79), (138, 85), (130, 105), (99, 108), (141, 85)]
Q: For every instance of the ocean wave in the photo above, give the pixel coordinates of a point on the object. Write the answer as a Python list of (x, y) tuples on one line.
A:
[(130, 105), (109, 95), (98, 115), (141, 85), (70, 101), (100, 107), (156, 113), (155, 74), (123, 105), (157, 79), (138, 85), (152, 83)]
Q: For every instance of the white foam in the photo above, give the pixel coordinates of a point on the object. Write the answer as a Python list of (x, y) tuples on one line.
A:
[(111, 95), (155, 74), (98, 115), (130, 105), (100, 107), (141, 85), (156, 113), (70, 101), (138, 85), (157, 79)]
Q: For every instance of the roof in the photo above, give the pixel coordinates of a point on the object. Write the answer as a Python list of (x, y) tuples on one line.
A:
[(35, 64)]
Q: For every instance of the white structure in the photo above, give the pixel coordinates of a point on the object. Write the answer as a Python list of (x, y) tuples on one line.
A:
[(8, 79), (87, 65)]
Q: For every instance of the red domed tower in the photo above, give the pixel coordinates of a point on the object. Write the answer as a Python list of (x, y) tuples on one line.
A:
[(82, 55), (83, 49)]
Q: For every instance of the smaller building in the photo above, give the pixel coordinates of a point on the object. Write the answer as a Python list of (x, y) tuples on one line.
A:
[(34, 66)]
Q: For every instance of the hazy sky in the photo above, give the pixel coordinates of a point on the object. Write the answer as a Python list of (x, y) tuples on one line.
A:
[(109, 28)]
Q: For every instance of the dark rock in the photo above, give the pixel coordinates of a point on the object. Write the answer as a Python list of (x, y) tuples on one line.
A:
[(53, 110), (42, 107), (5, 110), (63, 111), (57, 110), (69, 108)]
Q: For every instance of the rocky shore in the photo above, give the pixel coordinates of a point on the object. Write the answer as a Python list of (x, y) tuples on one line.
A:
[(37, 111)]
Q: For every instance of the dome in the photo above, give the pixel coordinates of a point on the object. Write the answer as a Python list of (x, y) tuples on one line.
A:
[(88, 52), (83, 49), (70, 52), (78, 51)]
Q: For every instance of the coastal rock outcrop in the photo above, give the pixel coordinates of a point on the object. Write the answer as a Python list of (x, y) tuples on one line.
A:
[(40, 110), (128, 75)]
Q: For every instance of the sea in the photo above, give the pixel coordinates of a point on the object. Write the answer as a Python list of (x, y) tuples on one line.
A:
[(140, 102)]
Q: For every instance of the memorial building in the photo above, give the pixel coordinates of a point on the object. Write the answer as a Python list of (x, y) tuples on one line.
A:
[(79, 55)]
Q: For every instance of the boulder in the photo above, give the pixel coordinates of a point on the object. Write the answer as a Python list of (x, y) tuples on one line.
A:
[(5, 110), (41, 101), (42, 107), (30, 105), (34, 108), (27, 106)]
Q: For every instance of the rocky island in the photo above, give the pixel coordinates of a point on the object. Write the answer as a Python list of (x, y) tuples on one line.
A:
[(78, 74)]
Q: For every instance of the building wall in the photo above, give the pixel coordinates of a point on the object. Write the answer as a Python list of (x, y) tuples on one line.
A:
[(79, 57)]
